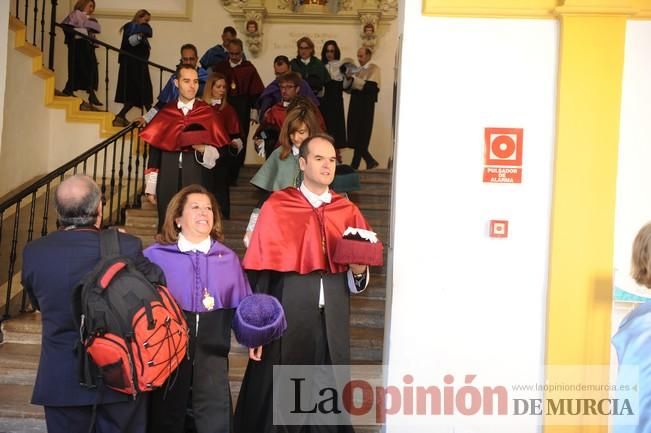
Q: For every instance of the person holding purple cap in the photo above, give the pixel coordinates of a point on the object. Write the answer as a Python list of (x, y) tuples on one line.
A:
[(206, 279)]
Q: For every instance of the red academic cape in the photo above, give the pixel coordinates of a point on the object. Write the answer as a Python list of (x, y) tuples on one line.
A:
[(169, 129), (242, 80), (229, 117), (274, 116), (288, 235)]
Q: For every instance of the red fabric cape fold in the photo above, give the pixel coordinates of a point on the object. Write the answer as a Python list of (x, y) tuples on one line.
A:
[(229, 117), (287, 236), (165, 130)]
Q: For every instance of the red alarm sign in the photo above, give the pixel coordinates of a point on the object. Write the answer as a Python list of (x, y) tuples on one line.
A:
[(503, 155)]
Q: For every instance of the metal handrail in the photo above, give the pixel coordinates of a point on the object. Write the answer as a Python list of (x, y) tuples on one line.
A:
[(117, 164), (67, 28), (12, 200)]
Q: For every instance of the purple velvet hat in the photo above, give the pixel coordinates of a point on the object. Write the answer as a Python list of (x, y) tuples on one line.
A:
[(258, 320)]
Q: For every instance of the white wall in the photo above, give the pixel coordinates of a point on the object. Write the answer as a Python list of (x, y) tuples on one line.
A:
[(4, 41), (35, 139), (461, 301), (25, 138), (633, 208), (204, 30)]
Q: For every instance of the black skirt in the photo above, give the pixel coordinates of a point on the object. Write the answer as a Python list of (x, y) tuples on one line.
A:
[(134, 82), (82, 65), (332, 109)]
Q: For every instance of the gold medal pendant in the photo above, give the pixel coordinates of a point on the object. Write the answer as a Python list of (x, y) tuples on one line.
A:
[(233, 85), (208, 301)]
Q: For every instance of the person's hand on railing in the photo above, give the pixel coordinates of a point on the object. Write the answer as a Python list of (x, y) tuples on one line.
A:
[(140, 121)]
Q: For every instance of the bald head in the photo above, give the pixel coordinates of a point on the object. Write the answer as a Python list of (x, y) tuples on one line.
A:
[(77, 201)]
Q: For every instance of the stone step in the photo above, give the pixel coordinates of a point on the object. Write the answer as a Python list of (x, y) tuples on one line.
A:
[(366, 348), (372, 176), (18, 363), (15, 402), (241, 195), (25, 329), (23, 425)]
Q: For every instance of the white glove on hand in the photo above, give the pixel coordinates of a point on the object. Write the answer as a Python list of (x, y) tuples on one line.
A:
[(135, 39), (151, 179), (238, 144), (259, 147)]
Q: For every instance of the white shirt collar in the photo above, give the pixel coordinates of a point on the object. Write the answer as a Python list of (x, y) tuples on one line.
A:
[(306, 61), (185, 245), (185, 107), (295, 150), (315, 200), (214, 102), (366, 65), (235, 64), (285, 104)]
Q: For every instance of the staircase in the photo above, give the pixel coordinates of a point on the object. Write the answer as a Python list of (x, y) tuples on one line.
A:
[(19, 352)]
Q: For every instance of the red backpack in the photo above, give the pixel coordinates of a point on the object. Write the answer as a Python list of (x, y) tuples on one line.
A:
[(133, 334)]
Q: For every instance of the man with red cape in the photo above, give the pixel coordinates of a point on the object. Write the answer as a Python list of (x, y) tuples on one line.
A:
[(291, 257), (183, 138)]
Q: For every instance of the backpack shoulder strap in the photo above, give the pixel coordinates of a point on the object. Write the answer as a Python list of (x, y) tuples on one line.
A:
[(109, 243)]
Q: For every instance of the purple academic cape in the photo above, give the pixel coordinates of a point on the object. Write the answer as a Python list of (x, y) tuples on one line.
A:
[(192, 276)]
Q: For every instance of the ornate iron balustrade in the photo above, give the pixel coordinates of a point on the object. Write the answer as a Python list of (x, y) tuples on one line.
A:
[(117, 164)]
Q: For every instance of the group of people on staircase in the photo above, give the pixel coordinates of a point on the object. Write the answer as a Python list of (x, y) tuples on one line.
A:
[(294, 239), (322, 80)]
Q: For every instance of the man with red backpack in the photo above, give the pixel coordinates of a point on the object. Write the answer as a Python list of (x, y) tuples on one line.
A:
[(52, 267)]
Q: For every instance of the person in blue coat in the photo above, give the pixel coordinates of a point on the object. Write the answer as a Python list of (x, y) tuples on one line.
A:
[(134, 83), (633, 338), (170, 92), (52, 266)]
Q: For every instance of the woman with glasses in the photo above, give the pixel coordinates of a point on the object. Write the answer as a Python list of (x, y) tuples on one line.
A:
[(332, 103), (310, 67)]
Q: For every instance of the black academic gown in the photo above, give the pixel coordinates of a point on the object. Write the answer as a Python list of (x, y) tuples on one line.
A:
[(173, 175), (332, 109), (312, 338)]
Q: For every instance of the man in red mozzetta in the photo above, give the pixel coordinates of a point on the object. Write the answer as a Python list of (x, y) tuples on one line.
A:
[(291, 256), (184, 137)]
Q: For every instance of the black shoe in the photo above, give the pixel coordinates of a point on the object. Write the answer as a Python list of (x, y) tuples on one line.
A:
[(120, 122), (64, 92), (373, 164), (85, 106), (92, 98)]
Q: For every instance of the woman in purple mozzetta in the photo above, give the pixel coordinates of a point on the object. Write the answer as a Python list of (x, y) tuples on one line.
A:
[(207, 281)]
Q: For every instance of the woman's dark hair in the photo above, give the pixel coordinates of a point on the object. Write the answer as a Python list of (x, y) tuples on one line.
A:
[(296, 117), (324, 59)]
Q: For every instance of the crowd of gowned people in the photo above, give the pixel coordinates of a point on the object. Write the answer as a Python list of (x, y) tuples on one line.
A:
[(308, 247), (322, 79)]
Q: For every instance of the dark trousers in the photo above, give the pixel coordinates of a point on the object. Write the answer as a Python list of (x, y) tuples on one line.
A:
[(219, 179), (124, 417), (359, 136)]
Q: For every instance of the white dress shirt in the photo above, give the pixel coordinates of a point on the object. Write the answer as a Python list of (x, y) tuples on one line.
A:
[(186, 246), (316, 200)]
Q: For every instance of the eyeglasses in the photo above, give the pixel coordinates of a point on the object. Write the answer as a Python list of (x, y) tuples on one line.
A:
[(287, 86), (188, 59), (304, 47)]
